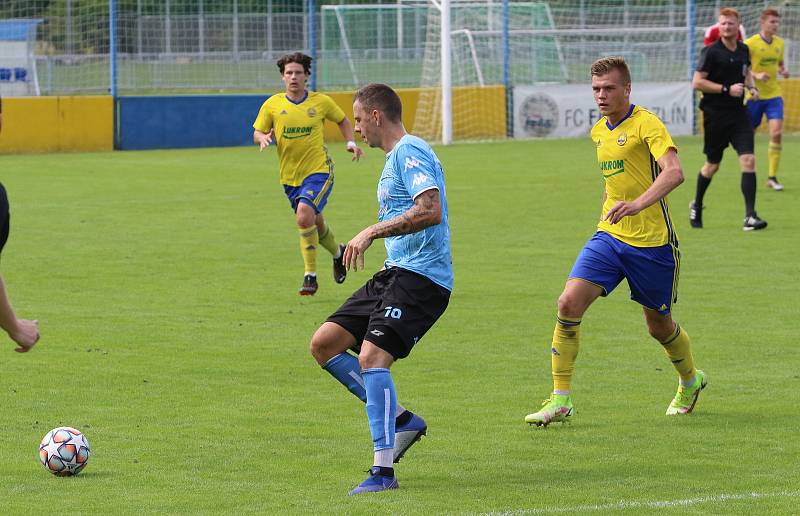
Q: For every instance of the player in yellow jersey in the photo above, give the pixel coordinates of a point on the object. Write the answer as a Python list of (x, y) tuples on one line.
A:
[(635, 240), (766, 55), (295, 120)]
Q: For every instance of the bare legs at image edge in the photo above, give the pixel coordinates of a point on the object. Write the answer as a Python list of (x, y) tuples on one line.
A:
[(576, 298)]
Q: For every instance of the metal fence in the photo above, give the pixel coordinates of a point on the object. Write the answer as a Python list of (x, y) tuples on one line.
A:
[(186, 46)]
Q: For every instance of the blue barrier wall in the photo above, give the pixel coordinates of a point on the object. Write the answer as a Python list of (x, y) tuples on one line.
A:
[(186, 121)]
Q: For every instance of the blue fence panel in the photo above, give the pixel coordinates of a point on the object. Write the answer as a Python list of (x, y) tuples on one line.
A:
[(186, 121)]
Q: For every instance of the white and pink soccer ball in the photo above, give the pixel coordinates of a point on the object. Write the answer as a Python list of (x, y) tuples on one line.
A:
[(64, 451)]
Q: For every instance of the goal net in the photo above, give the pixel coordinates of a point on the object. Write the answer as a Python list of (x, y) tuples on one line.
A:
[(495, 48), (467, 92)]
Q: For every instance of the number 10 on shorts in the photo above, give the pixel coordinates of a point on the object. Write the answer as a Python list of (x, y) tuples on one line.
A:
[(394, 313)]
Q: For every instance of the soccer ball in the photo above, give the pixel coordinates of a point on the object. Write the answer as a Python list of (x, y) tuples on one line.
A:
[(64, 451)]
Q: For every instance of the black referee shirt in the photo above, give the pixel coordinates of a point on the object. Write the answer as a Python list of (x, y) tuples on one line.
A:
[(723, 67)]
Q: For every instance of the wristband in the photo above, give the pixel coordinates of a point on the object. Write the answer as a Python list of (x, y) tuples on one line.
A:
[(351, 145), (725, 90)]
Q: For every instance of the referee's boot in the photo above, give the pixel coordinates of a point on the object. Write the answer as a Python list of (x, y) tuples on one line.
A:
[(310, 286), (695, 215), (752, 222)]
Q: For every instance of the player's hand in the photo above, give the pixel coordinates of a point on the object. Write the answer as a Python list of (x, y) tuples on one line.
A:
[(621, 210), (264, 140), (736, 90), (354, 252), (26, 335), (762, 76), (784, 73), (756, 95), (356, 150)]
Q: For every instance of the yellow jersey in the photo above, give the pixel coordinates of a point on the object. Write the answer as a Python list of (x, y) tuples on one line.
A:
[(765, 57), (299, 133), (628, 155)]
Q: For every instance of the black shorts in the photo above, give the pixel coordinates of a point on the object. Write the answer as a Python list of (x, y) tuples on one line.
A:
[(393, 310), (724, 126), (5, 217)]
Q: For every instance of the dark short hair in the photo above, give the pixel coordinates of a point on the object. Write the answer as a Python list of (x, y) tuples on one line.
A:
[(296, 57), (604, 66), (380, 97), (766, 13)]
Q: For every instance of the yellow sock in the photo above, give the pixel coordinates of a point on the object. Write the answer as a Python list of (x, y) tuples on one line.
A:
[(774, 158), (679, 351), (328, 241), (309, 241), (566, 340)]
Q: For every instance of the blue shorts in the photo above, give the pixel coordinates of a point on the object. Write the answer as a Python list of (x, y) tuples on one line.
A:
[(652, 272), (314, 191), (773, 108)]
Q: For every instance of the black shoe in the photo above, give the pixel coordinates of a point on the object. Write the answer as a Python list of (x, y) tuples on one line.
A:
[(752, 223), (339, 270), (695, 215), (310, 286)]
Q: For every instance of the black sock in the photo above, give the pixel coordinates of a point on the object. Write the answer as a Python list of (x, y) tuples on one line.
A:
[(403, 418), (749, 192), (387, 472), (702, 186)]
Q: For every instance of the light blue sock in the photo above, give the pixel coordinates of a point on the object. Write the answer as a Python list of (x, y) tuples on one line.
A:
[(381, 406), (344, 367)]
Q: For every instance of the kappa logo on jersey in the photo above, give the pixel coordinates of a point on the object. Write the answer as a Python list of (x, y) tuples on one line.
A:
[(419, 179), (411, 163)]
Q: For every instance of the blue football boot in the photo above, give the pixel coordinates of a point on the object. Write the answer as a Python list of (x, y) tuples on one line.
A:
[(407, 434), (376, 482)]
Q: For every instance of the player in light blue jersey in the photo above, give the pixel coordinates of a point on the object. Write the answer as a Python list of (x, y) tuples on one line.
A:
[(384, 319)]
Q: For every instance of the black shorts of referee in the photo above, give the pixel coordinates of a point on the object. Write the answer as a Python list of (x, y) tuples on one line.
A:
[(723, 126)]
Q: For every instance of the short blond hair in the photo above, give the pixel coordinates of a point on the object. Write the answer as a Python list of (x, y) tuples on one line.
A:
[(729, 11), (605, 65)]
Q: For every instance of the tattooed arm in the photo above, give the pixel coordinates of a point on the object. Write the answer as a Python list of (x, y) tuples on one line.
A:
[(426, 212)]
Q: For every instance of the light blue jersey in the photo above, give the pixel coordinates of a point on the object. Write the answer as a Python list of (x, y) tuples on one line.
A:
[(412, 168)]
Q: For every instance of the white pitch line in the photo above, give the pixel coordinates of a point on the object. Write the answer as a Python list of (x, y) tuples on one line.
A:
[(653, 505)]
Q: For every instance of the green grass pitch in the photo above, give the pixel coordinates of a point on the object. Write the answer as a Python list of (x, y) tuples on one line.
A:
[(165, 283)]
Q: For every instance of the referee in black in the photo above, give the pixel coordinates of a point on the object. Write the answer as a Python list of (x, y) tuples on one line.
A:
[(723, 74)]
